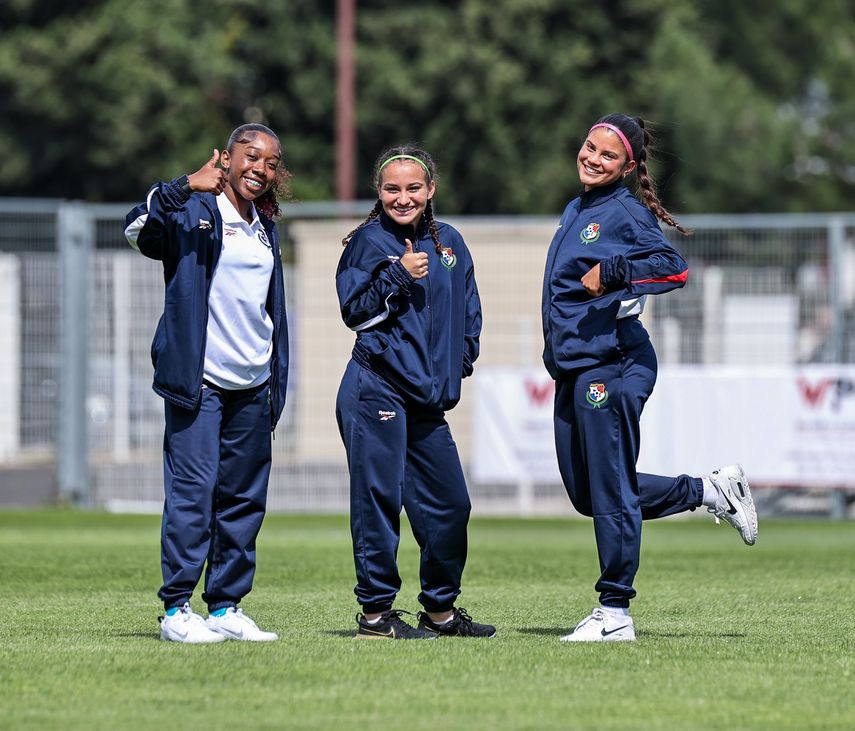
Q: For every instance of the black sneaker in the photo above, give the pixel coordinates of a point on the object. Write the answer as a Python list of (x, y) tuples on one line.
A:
[(460, 625), (391, 627)]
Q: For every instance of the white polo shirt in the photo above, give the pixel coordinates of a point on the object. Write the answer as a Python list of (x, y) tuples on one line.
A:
[(240, 331)]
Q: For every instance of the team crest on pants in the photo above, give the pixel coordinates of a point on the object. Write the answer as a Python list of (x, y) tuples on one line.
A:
[(597, 394), (448, 258), (590, 233)]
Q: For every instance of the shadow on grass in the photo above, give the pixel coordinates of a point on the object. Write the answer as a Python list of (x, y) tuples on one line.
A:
[(154, 635), (339, 632), (542, 631), (643, 634)]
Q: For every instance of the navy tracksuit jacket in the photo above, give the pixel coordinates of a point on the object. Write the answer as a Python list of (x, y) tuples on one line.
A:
[(605, 370), (416, 340), (217, 442)]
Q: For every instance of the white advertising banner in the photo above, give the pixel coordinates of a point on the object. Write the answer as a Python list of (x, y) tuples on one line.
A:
[(786, 426)]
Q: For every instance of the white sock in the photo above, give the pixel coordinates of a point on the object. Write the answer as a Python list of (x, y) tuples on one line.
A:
[(444, 621), (616, 611), (710, 497), (373, 621)]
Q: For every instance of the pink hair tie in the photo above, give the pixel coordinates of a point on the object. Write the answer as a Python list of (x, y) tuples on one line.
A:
[(618, 133)]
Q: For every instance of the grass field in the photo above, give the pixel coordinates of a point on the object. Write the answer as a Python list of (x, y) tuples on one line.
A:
[(729, 637)]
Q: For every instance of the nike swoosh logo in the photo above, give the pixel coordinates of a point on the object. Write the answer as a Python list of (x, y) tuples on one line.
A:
[(390, 633), (180, 634), (732, 510), (233, 635), (611, 632)]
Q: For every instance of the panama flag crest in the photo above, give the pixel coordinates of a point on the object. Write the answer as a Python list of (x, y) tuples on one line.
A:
[(448, 258), (590, 233), (597, 394)]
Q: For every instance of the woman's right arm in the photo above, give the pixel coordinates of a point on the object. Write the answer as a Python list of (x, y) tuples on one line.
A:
[(147, 225), (371, 286)]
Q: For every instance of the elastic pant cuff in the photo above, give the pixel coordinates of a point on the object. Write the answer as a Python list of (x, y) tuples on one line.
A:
[(376, 608)]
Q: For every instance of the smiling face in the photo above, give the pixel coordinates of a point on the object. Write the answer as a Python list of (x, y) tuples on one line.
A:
[(404, 191), (252, 166), (602, 159)]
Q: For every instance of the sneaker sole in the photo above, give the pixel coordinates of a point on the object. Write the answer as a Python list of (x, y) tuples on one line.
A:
[(746, 508)]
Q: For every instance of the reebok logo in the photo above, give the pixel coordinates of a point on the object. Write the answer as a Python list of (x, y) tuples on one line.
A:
[(387, 415)]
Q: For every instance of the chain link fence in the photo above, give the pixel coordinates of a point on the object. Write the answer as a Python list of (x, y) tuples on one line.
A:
[(79, 308)]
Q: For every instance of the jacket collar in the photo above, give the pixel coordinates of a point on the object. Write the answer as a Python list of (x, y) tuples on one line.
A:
[(403, 232), (600, 194)]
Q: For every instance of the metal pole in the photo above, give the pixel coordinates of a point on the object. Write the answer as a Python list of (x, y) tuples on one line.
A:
[(121, 356), (345, 101), (75, 242), (836, 245)]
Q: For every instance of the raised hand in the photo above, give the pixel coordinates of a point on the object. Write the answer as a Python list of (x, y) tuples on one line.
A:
[(415, 262), (591, 282), (209, 178)]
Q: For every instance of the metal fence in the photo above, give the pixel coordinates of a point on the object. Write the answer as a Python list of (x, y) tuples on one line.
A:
[(79, 308)]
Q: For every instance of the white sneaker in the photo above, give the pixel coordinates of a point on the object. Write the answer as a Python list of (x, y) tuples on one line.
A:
[(185, 626), (602, 626), (235, 625), (734, 503)]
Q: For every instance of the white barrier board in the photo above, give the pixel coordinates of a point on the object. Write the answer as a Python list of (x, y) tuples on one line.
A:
[(786, 426)]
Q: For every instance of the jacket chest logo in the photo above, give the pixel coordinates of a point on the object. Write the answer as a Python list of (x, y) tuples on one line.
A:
[(590, 233), (448, 258)]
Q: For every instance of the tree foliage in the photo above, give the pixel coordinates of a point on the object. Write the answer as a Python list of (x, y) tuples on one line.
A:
[(750, 101)]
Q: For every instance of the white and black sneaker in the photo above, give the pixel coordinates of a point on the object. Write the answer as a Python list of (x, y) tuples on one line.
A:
[(603, 626), (186, 626), (233, 624), (734, 504)]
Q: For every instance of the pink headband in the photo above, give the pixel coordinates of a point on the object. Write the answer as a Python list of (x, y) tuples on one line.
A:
[(618, 133)]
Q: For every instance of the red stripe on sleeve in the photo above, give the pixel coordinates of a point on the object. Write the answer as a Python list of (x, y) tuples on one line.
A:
[(681, 277)]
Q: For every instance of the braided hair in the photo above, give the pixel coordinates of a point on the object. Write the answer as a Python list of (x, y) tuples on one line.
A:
[(268, 202), (640, 139), (376, 180)]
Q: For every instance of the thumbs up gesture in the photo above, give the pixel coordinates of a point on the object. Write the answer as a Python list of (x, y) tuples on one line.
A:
[(209, 178), (415, 262)]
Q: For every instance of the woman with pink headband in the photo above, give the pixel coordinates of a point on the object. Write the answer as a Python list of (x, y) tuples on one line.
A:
[(607, 255), (406, 286)]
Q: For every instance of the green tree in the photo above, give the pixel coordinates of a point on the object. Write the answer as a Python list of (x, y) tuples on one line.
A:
[(751, 102)]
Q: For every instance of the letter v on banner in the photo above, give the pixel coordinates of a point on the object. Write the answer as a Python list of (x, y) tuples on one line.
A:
[(813, 395), (539, 393)]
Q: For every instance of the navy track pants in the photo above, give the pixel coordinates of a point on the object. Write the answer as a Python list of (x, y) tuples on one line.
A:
[(401, 455), (597, 436), (216, 467)]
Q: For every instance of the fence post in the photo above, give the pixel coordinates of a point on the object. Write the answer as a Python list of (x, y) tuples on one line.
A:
[(75, 242), (836, 272)]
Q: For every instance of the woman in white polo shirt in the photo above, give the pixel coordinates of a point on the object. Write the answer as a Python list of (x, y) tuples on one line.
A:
[(220, 357)]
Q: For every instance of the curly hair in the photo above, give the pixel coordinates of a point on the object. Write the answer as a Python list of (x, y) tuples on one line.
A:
[(268, 202)]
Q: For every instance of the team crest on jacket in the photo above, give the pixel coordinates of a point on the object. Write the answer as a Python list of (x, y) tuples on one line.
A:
[(448, 258), (597, 394), (590, 233)]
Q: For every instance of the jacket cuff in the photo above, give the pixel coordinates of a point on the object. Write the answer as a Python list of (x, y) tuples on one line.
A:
[(400, 276), (176, 190), (614, 273)]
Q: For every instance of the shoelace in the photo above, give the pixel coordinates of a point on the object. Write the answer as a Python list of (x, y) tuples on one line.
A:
[(463, 617)]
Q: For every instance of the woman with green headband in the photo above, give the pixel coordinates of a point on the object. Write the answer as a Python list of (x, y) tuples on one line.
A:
[(406, 286)]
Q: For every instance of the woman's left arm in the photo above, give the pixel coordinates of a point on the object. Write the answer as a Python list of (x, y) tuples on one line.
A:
[(472, 327), (651, 266)]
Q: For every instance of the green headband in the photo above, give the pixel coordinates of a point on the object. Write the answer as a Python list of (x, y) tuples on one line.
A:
[(404, 157)]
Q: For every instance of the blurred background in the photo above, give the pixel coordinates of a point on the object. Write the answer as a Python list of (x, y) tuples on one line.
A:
[(754, 120)]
